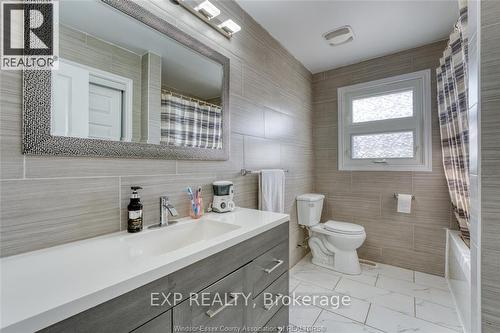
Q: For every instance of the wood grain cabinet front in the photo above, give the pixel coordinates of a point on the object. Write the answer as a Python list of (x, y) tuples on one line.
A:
[(160, 324), (278, 323), (269, 301), (268, 267), (219, 307)]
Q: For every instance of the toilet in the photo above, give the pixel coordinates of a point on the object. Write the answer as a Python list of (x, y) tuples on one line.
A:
[(333, 244)]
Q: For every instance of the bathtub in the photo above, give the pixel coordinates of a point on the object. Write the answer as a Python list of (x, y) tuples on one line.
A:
[(458, 275)]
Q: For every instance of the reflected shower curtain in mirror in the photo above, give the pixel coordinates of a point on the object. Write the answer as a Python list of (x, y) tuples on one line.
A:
[(453, 119), (187, 122)]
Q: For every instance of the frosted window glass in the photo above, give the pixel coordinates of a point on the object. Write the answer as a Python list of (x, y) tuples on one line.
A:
[(390, 106), (387, 145)]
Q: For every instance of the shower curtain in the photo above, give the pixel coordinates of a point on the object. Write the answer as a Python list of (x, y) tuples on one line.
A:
[(452, 80), (186, 122)]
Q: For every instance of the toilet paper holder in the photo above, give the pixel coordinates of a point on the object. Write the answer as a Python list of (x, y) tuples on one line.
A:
[(395, 195)]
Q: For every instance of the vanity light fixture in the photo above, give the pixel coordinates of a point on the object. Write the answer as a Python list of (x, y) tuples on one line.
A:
[(230, 26), (208, 13), (207, 9)]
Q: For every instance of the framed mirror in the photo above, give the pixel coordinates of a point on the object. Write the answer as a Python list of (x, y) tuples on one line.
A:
[(138, 88)]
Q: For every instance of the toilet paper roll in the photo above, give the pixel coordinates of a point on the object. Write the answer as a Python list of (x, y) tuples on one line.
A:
[(404, 203)]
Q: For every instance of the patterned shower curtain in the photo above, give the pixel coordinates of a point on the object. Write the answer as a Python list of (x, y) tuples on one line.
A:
[(188, 123), (452, 81)]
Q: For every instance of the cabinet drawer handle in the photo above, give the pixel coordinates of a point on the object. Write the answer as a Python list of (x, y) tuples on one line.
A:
[(213, 313), (278, 264), (277, 299)]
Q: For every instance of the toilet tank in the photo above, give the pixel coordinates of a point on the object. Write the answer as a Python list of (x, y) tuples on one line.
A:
[(309, 207)]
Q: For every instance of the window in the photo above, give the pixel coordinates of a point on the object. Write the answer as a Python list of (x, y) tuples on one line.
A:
[(386, 124)]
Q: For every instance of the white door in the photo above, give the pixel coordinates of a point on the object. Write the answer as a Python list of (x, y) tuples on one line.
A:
[(69, 102), (105, 112)]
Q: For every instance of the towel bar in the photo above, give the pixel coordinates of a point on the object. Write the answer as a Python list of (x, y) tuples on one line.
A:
[(395, 195), (245, 172)]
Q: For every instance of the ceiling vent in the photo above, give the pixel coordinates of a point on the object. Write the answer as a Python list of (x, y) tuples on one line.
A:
[(339, 36)]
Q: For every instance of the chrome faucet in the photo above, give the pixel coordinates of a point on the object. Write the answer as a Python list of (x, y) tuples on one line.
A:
[(166, 209)]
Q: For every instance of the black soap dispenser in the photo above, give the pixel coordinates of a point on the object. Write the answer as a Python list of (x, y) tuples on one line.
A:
[(135, 211)]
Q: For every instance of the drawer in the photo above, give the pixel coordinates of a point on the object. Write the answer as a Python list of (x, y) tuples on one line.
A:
[(262, 312), (279, 322), (266, 268), (210, 312), (160, 324)]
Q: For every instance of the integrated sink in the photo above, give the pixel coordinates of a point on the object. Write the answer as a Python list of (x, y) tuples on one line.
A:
[(174, 237)]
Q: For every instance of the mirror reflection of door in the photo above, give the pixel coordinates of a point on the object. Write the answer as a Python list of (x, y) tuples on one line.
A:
[(105, 112), (91, 103)]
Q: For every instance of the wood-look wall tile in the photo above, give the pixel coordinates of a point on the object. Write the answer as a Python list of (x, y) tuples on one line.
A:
[(279, 125), (490, 286), (424, 210), (382, 233), (490, 12), (429, 239), (41, 213), (382, 181), (295, 185), (55, 167), (372, 253), (427, 56), (354, 205), (325, 160), (261, 153), (236, 77), (297, 159), (257, 88), (490, 122), (325, 114), (414, 260), (332, 182), (490, 208), (325, 137), (247, 117), (430, 184), (490, 61), (11, 160), (234, 164)]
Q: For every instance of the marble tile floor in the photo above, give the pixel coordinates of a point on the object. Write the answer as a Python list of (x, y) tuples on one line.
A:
[(383, 299)]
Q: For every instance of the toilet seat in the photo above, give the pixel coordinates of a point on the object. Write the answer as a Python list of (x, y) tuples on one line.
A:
[(344, 228)]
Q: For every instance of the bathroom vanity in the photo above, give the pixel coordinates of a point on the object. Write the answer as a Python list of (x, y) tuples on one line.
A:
[(126, 282)]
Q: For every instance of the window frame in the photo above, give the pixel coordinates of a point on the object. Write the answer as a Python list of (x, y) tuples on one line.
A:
[(420, 123)]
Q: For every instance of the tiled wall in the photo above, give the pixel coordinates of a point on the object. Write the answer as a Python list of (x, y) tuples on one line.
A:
[(487, 236), (48, 201), (417, 240)]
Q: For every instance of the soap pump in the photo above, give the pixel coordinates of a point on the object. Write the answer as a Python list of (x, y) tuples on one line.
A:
[(135, 215)]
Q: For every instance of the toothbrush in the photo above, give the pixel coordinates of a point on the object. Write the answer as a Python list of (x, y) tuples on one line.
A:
[(198, 198), (191, 197)]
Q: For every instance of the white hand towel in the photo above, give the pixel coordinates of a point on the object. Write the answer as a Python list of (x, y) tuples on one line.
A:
[(404, 203), (272, 191)]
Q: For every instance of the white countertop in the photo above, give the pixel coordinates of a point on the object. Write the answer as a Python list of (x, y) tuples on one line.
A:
[(43, 287)]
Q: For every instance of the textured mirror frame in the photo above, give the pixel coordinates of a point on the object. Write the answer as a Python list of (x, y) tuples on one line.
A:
[(37, 139)]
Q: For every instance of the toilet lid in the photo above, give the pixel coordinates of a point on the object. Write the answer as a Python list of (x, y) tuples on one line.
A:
[(344, 227)]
